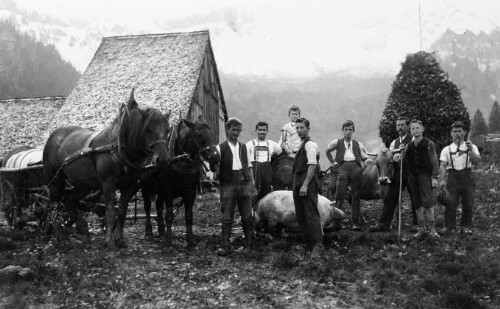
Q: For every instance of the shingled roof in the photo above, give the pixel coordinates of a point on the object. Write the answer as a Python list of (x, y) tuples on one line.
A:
[(23, 122), (163, 69)]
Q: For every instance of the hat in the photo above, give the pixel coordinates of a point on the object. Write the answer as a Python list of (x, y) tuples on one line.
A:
[(443, 196)]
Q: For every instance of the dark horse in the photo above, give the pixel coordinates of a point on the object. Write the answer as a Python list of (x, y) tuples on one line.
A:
[(108, 160), (193, 142), (282, 172)]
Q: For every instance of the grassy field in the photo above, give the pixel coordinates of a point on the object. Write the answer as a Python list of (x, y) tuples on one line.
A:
[(359, 269)]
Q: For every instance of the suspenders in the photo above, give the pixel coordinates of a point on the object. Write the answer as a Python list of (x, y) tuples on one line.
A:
[(258, 146), (451, 157)]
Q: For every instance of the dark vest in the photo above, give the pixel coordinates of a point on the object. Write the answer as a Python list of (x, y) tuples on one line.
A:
[(397, 143), (418, 157), (300, 162), (226, 161), (339, 156), (406, 141)]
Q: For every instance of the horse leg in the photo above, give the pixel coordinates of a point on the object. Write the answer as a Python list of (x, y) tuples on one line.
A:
[(146, 196), (188, 214), (160, 201), (169, 219), (109, 193), (125, 196)]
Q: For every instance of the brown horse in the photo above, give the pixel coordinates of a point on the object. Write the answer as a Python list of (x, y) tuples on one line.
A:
[(110, 160), (193, 142)]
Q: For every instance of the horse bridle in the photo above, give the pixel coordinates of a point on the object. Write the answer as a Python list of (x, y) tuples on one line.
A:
[(201, 150), (147, 150)]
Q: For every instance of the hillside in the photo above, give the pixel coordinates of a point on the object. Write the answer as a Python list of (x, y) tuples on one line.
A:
[(31, 69)]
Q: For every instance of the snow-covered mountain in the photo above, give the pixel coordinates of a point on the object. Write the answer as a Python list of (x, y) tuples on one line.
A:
[(311, 41)]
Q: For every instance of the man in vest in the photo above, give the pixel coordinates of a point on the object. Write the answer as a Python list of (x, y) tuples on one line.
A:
[(392, 197), (236, 185), (305, 189), (289, 139), (421, 157), (457, 159), (261, 151), (349, 160)]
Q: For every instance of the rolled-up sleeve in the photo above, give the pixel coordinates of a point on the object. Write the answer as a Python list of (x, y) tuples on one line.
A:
[(312, 152)]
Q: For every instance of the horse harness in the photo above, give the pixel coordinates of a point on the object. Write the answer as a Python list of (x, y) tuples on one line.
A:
[(116, 148)]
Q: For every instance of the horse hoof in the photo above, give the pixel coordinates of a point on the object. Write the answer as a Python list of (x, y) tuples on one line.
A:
[(120, 244)]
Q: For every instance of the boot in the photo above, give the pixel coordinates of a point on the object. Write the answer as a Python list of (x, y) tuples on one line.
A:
[(225, 250), (421, 230), (248, 231), (317, 249), (431, 226)]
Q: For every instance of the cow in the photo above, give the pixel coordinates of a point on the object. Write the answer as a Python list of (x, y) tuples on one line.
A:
[(276, 211), (376, 177)]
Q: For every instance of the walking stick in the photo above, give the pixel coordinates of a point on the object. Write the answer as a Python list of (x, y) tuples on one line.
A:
[(400, 191)]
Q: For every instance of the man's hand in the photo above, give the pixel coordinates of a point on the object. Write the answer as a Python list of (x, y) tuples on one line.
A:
[(434, 183), (303, 190), (442, 183), (396, 157)]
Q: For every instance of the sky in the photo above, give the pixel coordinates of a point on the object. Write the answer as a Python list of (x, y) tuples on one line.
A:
[(294, 38)]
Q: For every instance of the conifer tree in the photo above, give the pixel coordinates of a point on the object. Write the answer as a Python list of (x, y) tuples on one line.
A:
[(423, 91), (478, 126), (494, 121)]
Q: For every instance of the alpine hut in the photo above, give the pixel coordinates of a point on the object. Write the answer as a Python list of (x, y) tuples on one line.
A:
[(23, 122), (171, 71)]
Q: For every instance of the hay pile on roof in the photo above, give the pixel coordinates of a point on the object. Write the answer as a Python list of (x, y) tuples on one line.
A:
[(23, 122), (163, 68)]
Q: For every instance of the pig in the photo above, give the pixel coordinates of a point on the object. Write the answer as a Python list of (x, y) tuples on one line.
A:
[(277, 210)]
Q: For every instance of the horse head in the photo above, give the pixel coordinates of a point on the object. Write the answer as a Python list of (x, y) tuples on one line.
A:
[(200, 141), (385, 169), (143, 135)]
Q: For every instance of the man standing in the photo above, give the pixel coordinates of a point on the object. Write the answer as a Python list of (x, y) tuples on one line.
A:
[(236, 185), (305, 189), (289, 139), (422, 161), (349, 160), (392, 197), (261, 151), (458, 159)]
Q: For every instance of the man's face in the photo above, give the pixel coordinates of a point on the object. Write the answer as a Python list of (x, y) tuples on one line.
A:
[(348, 131), (458, 134), (233, 133), (416, 129), (294, 115), (401, 127), (261, 132), (302, 130)]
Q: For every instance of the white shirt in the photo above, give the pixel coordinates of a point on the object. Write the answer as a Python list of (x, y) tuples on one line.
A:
[(392, 147), (349, 154), (261, 154), (312, 151), (290, 136), (235, 149), (459, 157)]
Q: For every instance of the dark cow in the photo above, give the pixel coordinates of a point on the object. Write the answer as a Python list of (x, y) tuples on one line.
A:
[(377, 175)]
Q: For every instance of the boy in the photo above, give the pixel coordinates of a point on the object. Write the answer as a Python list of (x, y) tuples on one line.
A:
[(420, 155), (349, 159), (457, 159), (289, 139)]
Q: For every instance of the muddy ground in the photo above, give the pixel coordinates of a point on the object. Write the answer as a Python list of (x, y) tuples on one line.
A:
[(358, 270)]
